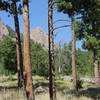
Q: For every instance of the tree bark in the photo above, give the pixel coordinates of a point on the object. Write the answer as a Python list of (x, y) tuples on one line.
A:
[(52, 90), (29, 86), (74, 56), (59, 58), (18, 48), (96, 69)]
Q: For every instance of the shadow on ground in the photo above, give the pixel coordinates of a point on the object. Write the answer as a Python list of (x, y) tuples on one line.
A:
[(8, 87), (93, 93), (43, 84)]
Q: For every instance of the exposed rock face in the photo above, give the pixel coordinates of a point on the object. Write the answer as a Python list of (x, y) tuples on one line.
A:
[(41, 89), (3, 30), (85, 79), (39, 36), (67, 78)]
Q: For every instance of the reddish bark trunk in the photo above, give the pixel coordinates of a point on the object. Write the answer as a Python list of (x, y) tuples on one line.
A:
[(52, 90), (73, 56), (18, 48), (96, 69), (29, 85)]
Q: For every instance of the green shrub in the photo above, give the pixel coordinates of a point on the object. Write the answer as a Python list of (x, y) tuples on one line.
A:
[(79, 83), (10, 77)]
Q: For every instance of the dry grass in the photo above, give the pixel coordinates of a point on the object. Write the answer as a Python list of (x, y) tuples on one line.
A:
[(9, 91), (61, 96), (20, 95), (12, 94)]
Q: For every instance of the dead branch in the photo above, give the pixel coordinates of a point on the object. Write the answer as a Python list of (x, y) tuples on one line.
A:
[(60, 27)]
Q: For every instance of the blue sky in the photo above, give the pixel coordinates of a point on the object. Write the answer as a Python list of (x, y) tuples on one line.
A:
[(39, 18)]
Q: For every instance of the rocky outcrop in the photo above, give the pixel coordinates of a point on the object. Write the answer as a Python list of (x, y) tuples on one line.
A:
[(89, 80), (67, 78), (3, 30), (85, 79), (39, 36), (41, 89)]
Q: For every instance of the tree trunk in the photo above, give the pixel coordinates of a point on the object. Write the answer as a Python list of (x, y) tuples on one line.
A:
[(96, 69), (73, 56), (59, 58), (18, 48), (29, 86), (52, 90)]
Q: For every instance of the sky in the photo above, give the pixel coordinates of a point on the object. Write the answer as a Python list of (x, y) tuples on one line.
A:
[(38, 13)]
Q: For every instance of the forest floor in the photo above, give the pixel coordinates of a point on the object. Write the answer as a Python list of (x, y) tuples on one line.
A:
[(64, 90)]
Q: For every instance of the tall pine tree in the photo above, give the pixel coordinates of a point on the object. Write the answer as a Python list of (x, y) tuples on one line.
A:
[(89, 30), (11, 7), (70, 7), (29, 85), (52, 90)]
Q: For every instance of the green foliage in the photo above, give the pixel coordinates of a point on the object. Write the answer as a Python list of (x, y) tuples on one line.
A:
[(67, 58), (10, 8), (20, 9), (91, 44), (10, 77), (69, 7), (79, 83), (89, 28), (64, 5), (12, 34), (84, 63), (3, 71), (63, 59), (8, 63), (8, 54), (4, 5), (39, 57), (39, 60)]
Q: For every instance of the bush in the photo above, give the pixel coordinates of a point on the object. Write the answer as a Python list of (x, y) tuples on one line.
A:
[(8, 57), (79, 83), (10, 77), (39, 60)]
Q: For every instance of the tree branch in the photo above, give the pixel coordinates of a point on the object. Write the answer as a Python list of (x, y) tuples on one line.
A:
[(60, 20), (78, 17), (56, 34), (60, 27), (55, 2)]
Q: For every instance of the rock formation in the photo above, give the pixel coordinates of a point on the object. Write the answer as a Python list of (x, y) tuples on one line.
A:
[(39, 36), (3, 30)]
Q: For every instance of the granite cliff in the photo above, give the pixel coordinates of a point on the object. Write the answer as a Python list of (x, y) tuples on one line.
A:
[(3, 30), (39, 36)]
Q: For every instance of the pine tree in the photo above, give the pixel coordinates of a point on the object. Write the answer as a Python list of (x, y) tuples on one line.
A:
[(70, 8), (52, 90), (18, 48), (88, 30), (29, 84), (11, 8)]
